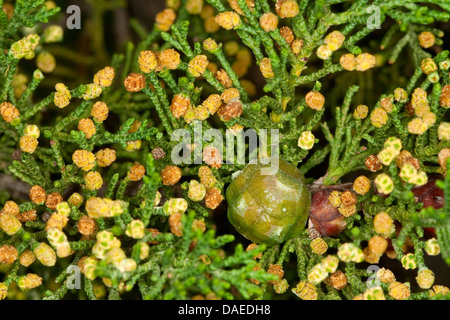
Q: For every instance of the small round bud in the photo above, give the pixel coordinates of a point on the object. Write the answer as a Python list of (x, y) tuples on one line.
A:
[(330, 263), (348, 252), (228, 20), (385, 275), (361, 112), (334, 40), (394, 144), (268, 21), (317, 274), (63, 208), (136, 172), (378, 117), (348, 62), (105, 157), (444, 131), (384, 183), (165, 19), (425, 278), (428, 66), (84, 159), (93, 91), (53, 199), (443, 290), (180, 104), (305, 291), (147, 61), (223, 78), (426, 39), (444, 100), (170, 175), (400, 95), (324, 52), (337, 280), (197, 65), (287, 34), (87, 226), (8, 254), (32, 130), (212, 157), (443, 155), (28, 143), (230, 110), (99, 111), (45, 254), (361, 185), (46, 62), (197, 191), (315, 100), (373, 163), (297, 46), (8, 111), (432, 247), (10, 224), (287, 8), (104, 77), (133, 145), (409, 261), (417, 126), (37, 194), (56, 237), (213, 198), (365, 61), (176, 226), (93, 180), (210, 44), (387, 103), (383, 224), (87, 126), (10, 207), (75, 199), (399, 291), (57, 221), (27, 258), (169, 59), (281, 286), (229, 95), (29, 281), (306, 140), (319, 246), (378, 244), (386, 156), (53, 33), (158, 153), (206, 177), (429, 118), (277, 270), (375, 293), (134, 82), (265, 66), (135, 229)]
